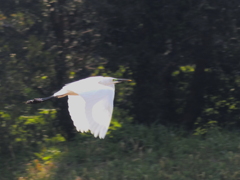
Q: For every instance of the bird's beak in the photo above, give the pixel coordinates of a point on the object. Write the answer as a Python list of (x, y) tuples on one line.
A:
[(121, 80)]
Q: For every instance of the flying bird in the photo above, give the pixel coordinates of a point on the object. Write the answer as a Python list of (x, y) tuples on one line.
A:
[(90, 103)]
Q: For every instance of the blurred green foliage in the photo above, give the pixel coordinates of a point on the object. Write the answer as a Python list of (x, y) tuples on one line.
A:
[(27, 132), (183, 58), (136, 152)]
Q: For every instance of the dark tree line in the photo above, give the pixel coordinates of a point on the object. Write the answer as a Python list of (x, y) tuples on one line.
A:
[(182, 55), (155, 38)]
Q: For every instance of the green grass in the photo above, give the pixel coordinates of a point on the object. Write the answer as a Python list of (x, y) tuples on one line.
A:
[(133, 153)]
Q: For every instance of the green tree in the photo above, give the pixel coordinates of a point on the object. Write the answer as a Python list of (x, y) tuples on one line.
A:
[(157, 38), (46, 44)]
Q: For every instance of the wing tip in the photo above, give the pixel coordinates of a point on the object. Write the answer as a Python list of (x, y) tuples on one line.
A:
[(98, 130)]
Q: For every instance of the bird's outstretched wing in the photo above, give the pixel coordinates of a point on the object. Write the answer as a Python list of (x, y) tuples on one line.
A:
[(76, 108), (92, 110), (99, 107), (99, 110)]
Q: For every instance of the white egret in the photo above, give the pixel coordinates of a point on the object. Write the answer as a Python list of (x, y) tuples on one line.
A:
[(90, 103)]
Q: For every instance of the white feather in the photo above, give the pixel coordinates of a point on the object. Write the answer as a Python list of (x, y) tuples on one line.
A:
[(91, 109), (99, 107), (76, 108)]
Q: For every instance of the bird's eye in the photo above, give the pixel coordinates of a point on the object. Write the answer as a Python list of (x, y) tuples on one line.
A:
[(114, 80)]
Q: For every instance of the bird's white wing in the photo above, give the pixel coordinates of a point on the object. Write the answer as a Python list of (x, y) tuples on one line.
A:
[(76, 108), (92, 109), (99, 107)]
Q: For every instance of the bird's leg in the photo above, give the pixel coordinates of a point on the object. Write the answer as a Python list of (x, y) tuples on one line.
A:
[(38, 100)]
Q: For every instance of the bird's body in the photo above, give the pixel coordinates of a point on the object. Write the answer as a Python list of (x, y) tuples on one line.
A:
[(90, 103)]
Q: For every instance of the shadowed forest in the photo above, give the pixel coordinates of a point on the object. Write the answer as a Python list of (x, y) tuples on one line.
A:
[(179, 117)]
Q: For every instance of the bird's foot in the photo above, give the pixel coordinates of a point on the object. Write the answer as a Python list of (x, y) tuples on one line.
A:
[(34, 101)]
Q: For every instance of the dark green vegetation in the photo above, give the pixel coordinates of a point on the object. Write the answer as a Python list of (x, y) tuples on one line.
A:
[(133, 152), (183, 57)]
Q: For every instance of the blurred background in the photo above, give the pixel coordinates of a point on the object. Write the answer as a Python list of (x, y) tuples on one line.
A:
[(183, 58)]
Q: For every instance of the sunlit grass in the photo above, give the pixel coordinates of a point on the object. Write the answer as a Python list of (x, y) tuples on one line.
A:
[(138, 152)]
